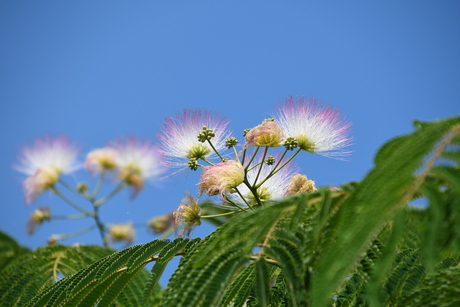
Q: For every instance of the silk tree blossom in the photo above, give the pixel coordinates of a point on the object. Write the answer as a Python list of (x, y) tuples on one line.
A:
[(274, 189), (102, 159), (187, 216), (267, 134), (317, 128), (179, 137), (137, 162), (221, 178), (45, 162)]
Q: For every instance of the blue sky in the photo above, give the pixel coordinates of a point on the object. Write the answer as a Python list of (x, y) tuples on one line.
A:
[(100, 70)]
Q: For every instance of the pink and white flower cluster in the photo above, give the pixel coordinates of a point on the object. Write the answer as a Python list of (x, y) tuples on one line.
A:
[(192, 139), (134, 162)]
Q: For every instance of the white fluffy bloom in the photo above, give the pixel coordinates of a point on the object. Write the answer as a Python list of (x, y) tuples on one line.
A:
[(319, 129), (136, 162), (179, 137), (44, 163), (58, 154)]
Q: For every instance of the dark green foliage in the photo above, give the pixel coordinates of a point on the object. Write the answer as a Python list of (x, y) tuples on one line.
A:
[(9, 250), (360, 245)]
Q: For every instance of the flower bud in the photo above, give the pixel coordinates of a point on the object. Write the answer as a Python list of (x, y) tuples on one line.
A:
[(300, 184), (38, 217), (267, 134), (222, 177), (122, 232), (159, 224)]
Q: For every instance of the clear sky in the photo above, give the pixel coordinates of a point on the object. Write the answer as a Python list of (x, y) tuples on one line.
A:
[(100, 70)]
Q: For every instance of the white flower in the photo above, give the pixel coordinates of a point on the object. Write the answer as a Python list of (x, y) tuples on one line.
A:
[(319, 129), (58, 154), (137, 162), (179, 137), (44, 163)]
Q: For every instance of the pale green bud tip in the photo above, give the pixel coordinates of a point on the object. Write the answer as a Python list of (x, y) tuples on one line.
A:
[(291, 143), (270, 160), (305, 143), (205, 134), (268, 120), (245, 131), (198, 151), (230, 142)]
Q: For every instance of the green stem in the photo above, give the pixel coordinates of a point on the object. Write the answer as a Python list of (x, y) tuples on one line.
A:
[(213, 148), (261, 165), (100, 226), (222, 214), (252, 158), (58, 193), (244, 156), (98, 185), (274, 171), (72, 189), (69, 217), (235, 204), (76, 233), (236, 154), (205, 160), (253, 191), (101, 201), (244, 199)]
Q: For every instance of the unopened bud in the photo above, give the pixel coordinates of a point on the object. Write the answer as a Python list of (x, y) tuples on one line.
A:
[(222, 177), (82, 187), (122, 232), (231, 142), (291, 143), (193, 164), (159, 224), (37, 217), (267, 134), (300, 184), (270, 160), (205, 134)]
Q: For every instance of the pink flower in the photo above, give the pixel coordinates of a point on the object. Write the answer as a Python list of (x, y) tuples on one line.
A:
[(179, 137), (222, 177), (45, 162), (267, 134), (137, 162), (319, 129)]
